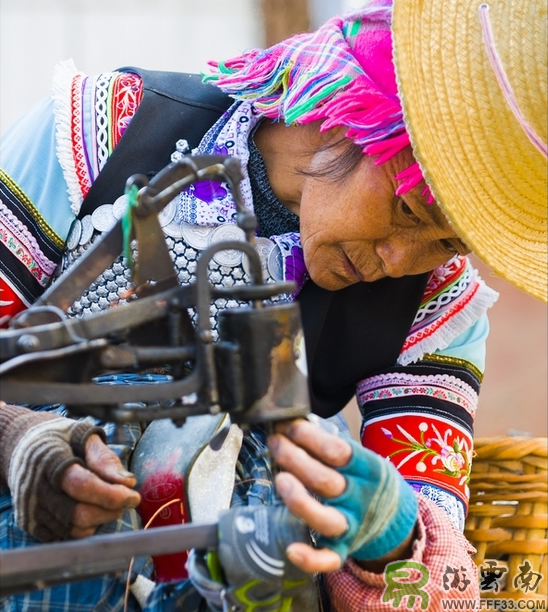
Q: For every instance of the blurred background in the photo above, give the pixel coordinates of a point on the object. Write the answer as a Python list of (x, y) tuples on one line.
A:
[(101, 35)]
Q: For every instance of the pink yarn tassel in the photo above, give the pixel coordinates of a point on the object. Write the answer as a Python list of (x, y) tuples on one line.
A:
[(386, 149)]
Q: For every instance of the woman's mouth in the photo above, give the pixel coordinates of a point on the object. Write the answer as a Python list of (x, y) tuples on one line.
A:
[(351, 269), (359, 276)]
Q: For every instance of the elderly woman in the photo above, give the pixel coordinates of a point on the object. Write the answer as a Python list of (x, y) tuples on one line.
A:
[(379, 150)]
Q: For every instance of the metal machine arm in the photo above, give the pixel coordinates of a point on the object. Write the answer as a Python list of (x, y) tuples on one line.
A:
[(250, 372)]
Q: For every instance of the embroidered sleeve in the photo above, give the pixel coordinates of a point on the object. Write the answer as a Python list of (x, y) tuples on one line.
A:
[(421, 417), (420, 413), (31, 242), (441, 569), (50, 159)]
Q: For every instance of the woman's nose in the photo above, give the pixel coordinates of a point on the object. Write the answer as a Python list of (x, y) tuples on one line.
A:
[(396, 258), (400, 258)]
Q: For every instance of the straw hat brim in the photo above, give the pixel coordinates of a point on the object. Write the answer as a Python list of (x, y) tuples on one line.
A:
[(481, 165)]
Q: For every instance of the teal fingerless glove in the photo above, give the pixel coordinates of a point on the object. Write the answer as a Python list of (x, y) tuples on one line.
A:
[(380, 507)]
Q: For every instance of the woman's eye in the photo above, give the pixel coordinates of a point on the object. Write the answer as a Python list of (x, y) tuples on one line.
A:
[(449, 246), (408, 212)]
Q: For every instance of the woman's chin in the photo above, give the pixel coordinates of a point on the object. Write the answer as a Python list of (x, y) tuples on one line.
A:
[(332, 281)]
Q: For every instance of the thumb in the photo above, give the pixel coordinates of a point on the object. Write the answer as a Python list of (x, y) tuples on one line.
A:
[(105, 463)]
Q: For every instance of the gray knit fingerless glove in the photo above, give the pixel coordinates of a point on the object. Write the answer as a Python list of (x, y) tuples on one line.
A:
[(36, 448)]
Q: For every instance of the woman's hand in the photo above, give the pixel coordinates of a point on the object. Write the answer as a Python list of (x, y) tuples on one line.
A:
[(64, 480), (347, 478), (309, 453), (103, 489)]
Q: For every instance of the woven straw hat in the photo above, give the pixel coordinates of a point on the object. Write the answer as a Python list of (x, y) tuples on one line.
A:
[(472, 82)]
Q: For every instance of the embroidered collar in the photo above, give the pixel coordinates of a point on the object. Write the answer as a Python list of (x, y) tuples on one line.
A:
[(211, 203)]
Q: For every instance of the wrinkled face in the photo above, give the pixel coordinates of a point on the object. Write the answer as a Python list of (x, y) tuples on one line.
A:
[(359, 230)]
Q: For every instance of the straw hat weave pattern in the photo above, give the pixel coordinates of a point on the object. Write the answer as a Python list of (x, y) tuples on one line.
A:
[(472, 79)]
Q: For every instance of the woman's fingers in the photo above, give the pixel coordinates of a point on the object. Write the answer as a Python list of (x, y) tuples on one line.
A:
[(84, 486), (313, 473), (309, 455), (86, 518), (106, 464), (102, 489), (325, 519), (311, 559), (327, 447)]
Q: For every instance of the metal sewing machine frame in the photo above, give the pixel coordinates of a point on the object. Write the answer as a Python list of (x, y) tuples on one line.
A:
[(250, 372)]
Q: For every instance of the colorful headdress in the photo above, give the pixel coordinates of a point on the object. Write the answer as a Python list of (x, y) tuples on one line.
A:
[(472, 82), (342, 74)]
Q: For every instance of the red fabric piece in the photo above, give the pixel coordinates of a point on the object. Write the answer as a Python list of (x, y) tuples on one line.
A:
[(10, 302)]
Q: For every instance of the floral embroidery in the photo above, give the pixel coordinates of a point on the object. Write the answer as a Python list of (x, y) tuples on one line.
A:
[(445, 277), (16, 194), (454, 459), (91, 115), (126, 97), (294, 268), (429, 449), (208, 191), (79, 158), (294, 265), (228, 137), (455, 298), (22, 254), (211, 191), (18, 233)]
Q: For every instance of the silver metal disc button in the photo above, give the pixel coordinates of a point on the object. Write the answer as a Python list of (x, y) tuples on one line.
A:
[(103, 218), (74, 234), (228, 231), (87, 230)]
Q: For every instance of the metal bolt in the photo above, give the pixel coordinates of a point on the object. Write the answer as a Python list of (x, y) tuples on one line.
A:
[(28, 343), (206, 336), (214, 409)]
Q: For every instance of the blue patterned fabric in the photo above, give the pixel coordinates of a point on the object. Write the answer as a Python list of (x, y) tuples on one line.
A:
[(253, 485), (450, 504), (104, 594)]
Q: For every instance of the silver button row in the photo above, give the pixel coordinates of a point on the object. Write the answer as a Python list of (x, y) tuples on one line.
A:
[(104, 217), (199, 237)]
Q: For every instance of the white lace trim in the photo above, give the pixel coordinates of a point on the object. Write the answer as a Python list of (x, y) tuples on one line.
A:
[(442, 337), (19, 231), (61, 94), (399, 384)]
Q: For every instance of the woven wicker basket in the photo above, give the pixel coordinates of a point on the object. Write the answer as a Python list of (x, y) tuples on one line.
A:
[(507, 519)]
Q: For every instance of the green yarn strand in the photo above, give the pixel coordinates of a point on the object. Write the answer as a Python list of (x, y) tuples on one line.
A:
[(127, 224), (294, 113)]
